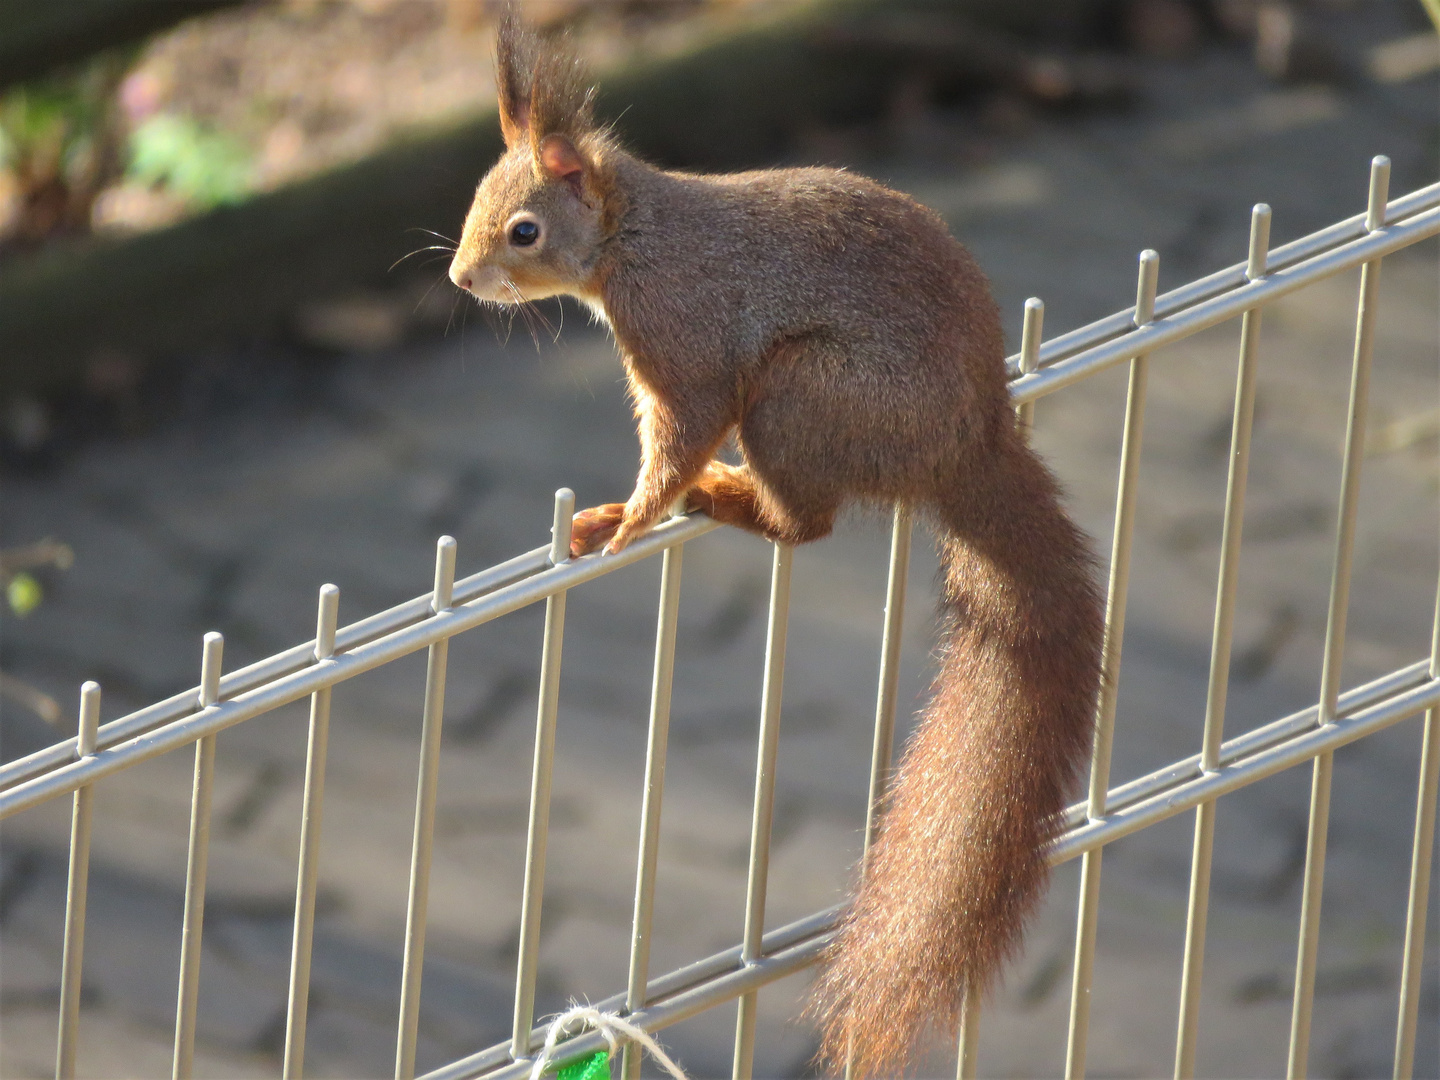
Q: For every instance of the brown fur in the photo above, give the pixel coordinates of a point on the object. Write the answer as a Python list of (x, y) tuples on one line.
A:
[(852, 348)]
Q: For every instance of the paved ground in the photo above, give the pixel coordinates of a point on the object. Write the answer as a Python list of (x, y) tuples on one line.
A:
[(278, 480)]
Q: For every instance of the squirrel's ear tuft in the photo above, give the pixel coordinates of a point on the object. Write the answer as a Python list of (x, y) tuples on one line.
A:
[(516, 51), (542, 85), (561, 98)]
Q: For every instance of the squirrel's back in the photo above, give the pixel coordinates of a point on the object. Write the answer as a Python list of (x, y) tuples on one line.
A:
[(792, 242), (742, 261)]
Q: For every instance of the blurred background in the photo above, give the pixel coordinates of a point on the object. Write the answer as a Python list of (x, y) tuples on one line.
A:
[(232, 369)]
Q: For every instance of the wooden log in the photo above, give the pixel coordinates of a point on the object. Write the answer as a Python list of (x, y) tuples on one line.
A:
[(239, 272), (40, 35)]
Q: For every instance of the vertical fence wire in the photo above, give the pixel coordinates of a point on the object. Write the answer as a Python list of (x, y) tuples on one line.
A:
[(197, 866), (764, 801), (1110, 673), (1220, 641), (883, 749), (528, 964), (1030, 334), (1419, 897), (967, 1058), (427, 787), (655, 753), (308, 876), (77, 892), (1318, 828)]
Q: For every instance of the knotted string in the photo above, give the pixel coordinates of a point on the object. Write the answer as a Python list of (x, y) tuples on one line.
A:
[(610, 1026)]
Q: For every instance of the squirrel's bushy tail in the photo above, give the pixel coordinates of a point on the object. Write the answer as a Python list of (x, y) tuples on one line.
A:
[(960, 860)]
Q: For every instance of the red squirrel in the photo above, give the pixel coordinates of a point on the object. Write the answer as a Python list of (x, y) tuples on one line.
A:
[(852, 349)]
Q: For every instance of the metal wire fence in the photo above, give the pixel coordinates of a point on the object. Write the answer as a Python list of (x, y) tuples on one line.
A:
[(547, 575)]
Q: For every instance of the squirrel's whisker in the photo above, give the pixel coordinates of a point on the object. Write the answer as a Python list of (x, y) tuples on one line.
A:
[(525, 310), (438, 236), (419, 251), (426, 294)]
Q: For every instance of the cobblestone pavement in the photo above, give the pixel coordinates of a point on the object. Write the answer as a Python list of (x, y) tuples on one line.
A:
[(231, 518)]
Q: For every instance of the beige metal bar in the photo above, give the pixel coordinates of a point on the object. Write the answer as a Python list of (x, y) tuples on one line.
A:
[(308, 875), (1319, 823), (655, 754), (1222, 308), (1419, 899), (367, 657), (967, 1062), (1254, 740), (1302, 745), (1110, 672), (1030, 353), (681, 994), (967, 1053), (528, 964), (764, 814), (883, 749), (1195, 293), (423, 843), (296, 658), (77, 892), (197, 866), (1242, 425)]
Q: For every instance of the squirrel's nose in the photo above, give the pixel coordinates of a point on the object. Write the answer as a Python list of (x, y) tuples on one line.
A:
[(461, 276)]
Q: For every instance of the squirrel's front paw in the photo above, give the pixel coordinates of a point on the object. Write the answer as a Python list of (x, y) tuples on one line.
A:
[(592, 528)]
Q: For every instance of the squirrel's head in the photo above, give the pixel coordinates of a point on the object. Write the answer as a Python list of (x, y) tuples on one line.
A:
[(541, 213)]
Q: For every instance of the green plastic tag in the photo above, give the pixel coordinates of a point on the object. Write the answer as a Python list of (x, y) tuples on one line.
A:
[(595, 1067)]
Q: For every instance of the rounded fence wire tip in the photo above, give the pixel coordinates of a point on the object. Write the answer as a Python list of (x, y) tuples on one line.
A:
[(1146, 287), (326, 621), (1379, 192), (445, 549), (1030, 334), (1255, 266), (562, 527), (89, 718), (210, 660)]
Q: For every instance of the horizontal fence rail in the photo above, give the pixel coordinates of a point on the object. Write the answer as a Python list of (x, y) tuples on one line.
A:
[(548, 573)]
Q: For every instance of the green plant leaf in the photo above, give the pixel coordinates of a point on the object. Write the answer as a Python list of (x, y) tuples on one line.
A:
[(23, 594), (201, 166)]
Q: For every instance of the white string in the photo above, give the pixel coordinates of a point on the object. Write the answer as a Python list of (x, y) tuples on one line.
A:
[(609, 1025)]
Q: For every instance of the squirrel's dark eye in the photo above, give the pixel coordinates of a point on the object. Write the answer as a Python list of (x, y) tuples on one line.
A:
[(524, 233)]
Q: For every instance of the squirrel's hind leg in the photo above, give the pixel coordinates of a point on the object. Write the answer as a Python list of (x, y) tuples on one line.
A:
[(731, 494)]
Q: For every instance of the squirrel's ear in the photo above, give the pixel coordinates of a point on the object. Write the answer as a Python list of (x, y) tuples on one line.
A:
[(562, 161), (516, 49)]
